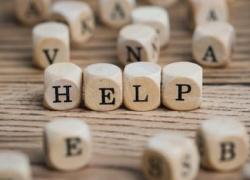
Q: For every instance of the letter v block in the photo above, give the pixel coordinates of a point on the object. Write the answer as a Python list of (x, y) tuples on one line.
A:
[(67, 144), (223, 144), (50, 44), (182, 86), (63, 86), (102, 87)]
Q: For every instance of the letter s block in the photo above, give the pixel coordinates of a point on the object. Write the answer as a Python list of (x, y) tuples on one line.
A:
[(62, 86), (223, 144), (67, 144), (102, 87), (182, 86)]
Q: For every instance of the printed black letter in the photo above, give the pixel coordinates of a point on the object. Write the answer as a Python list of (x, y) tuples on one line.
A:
[(73, 146), (66, 94), (181, 91), (106, 96)]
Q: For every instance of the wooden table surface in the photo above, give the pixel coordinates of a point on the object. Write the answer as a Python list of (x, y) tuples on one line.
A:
[(119, 136)]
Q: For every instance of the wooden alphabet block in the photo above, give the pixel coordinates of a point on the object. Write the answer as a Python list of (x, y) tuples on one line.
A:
[(14, 166), (155, 17), (116, 13), (80, 18), (142, 81), (30, 12), (102, 87), (67, 144), (62, 86), (223, 144), (50, 44), (246, 172), (138, 42), (213, 44), (164, 3), (182, 86), (170, 156)]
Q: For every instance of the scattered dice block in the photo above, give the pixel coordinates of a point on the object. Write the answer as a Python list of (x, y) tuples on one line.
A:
[(182, 86), (170, 156), (14, 166), (142, 81), (102, 87), (155, 17), (246, 172), (62, 86), (30, 12), (80, 18), (223, 144), (138, 42), (164, 3), (116, 13), (50, 44), (67, 144), (213, 44)]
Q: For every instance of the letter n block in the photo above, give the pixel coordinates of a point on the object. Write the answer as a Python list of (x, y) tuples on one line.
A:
[(182, 86), (67, 144), (62, 86), (223, 144)]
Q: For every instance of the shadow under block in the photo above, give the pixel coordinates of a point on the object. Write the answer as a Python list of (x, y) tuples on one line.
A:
[(213, 44), (14, 166), (223, 144), (67, 143), (170, 156), (79, 17), (157, 18), (164, 3), (182, 86), (62, 86), (102, 87), (138, 42), (50, 44)]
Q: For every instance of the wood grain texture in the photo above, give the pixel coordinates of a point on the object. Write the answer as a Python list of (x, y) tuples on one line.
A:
[(119, 136)]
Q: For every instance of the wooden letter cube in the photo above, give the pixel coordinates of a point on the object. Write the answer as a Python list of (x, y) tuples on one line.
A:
[(170, 156), (155, 17), (164, 3), (182, 86), (138, 42), (142, 81), (213, 44), (102, 87), (80, 18), (50, 44), (116, 13), (62, 86), (67, 144), (223, 144), (14, 166)]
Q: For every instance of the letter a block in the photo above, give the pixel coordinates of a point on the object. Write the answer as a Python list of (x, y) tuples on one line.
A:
[(63, 86), (170, 156), (138, 42), (142, 81), (223, 144), (67, 144), (50, 44), (182, 86), (102, 87), (213, 44), (14, 166)]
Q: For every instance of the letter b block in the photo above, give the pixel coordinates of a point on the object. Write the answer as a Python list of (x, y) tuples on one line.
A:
[(67, 144)]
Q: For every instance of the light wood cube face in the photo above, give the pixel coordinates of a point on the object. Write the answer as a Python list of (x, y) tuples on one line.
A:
[(157, 18), (213, 44), (14, 166), (80, 18), (223, 144), (30, 12), (50, 44), (102, 87), (62, 86), (116, 13), (164, 3), (67, 144), (182, 86), (170, 156), (142, 86), (137, 43)]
